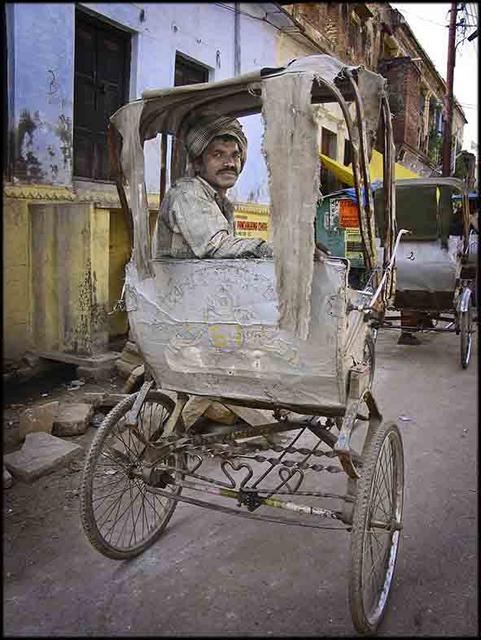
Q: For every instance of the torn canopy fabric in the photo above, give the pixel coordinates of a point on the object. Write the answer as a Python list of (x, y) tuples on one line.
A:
[(291, 135)]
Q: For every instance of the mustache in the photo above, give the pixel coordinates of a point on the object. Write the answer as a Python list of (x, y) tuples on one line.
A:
[(228, 171)]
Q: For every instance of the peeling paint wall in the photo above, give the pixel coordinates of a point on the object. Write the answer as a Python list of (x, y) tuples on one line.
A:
[(42, 104), (404, 96), (42, 87), (16, 279), (69, 287)]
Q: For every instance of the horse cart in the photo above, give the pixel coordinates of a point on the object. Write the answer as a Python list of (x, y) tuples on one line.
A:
[(287, 335), (436, 261)]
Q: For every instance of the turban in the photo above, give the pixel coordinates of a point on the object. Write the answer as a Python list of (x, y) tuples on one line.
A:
[(208, 127)]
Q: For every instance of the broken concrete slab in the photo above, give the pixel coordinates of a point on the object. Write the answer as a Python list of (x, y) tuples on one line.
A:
[(7, 478), (72, 419), (41, 454), (38, 418)]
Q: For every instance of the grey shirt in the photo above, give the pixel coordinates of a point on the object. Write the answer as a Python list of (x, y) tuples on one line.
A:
[(195, 222)]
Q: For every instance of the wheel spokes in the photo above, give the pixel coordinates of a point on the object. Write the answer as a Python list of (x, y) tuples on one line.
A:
[(125, 512), (379, 542)]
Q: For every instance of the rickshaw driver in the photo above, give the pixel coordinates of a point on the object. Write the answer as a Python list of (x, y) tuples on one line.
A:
[(196, 219)]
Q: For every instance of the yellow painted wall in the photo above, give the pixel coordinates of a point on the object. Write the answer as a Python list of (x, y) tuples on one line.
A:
[(70, 278), (56, 274), (100, 275), (16, 278)]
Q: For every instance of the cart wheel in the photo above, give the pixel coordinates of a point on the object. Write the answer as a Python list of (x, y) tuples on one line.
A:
[(466, 328), (376, 526), (120, 516)]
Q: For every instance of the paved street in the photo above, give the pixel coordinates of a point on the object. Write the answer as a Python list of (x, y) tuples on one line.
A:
[(212, 574)]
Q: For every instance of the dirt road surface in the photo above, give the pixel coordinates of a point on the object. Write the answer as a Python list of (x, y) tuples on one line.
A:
[(212, 574)]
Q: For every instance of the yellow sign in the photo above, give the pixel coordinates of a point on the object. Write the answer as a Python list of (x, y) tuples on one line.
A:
[(252, 221)]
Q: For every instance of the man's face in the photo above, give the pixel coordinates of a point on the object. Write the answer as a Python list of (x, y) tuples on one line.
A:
[(220, 163)]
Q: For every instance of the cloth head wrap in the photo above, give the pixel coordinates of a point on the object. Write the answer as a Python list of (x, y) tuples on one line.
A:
[(208, 127)]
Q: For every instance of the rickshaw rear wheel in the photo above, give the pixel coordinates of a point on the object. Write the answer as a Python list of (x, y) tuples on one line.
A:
[(376, 524), (120, 516), (466, 328)]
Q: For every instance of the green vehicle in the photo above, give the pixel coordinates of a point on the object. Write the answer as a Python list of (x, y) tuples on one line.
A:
[(337, 228)]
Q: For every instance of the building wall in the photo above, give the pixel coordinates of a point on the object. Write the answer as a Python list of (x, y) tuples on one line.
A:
[(403, 90), (375, 35), (16, 278), (42, 85), (41, 91)]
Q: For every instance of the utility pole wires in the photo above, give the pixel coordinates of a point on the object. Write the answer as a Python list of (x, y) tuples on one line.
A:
[(449, 94)]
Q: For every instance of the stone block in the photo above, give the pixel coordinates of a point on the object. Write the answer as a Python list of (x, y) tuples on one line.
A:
[(72, 419), (40, 454), (38, 418)]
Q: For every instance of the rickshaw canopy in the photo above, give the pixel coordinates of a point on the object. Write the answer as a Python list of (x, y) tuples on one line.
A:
[(424, 206), (285, 96)]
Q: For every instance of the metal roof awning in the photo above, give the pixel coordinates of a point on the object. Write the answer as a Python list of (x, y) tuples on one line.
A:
[(345, 175)]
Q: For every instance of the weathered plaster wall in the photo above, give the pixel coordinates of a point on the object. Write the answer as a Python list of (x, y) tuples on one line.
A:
[(16, 278), (404, 92), (42, 56), (258, 46), (69, 287), (41, 59)]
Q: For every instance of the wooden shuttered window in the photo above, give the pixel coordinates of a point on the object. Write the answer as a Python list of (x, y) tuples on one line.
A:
[(102, 66), (188, 72)]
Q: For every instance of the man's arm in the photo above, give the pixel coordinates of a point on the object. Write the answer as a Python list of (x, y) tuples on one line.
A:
[(206, 231)]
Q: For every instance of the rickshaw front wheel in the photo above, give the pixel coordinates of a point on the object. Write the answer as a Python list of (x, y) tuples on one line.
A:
[(120, 516), (376, 526)]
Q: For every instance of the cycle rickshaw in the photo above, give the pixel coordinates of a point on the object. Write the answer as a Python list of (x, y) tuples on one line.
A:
[(436, 270), (287, 335)]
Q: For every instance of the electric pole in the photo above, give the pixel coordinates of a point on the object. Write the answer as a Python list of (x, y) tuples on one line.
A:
[(449, 94)]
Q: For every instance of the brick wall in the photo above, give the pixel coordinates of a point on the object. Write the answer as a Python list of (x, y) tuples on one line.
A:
[(404, 90)]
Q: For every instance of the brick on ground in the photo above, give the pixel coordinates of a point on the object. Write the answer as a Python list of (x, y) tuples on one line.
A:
[(72, 419), (41, 454), (38, 418)]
